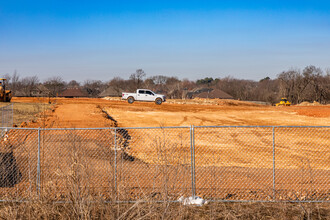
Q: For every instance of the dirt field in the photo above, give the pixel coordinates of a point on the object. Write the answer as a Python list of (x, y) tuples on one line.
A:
[(87, 113), (158, 161)]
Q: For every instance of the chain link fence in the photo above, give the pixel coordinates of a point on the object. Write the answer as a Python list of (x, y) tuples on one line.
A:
[(7, 113), (229, 163)]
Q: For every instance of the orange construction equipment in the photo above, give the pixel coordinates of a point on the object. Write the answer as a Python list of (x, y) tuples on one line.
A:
[(283, 102), (5, 95)]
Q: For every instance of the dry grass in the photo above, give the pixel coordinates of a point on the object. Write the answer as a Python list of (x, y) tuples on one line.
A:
[(27, 112), (43, 209)]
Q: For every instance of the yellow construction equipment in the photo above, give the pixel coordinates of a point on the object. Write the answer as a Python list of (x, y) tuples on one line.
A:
[(5, 95), (283, 102)]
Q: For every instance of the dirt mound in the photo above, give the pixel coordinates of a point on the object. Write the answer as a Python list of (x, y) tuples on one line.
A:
[(310, 104), (205, 101), (112, 98), (234, 103)]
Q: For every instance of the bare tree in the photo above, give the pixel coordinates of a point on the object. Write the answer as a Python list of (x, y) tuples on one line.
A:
[(73, 84), (14, 84), (149, 84), (55, 85), (174, 87), (118, 84), (93, 87), (289, 82), (137, 78), (266, 90), (160, 79), (314, 76), (311, 85), (159, 83), (325, 86), (28, 84)]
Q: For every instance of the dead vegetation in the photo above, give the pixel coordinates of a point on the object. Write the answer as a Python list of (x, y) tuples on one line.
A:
[(44, 209), (29, 112)]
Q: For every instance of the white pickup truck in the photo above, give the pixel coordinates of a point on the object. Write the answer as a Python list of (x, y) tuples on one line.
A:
[(144, 95)]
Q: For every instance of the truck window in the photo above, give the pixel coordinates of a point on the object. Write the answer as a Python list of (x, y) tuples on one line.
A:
[(141, 91), (149, 92)]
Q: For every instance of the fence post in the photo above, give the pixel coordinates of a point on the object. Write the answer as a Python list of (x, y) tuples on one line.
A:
[(38, 165), (115, 173), (12, 115), (274, 189), (192, 152)]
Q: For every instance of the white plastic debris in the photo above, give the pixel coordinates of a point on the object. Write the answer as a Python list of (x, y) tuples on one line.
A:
[(198, 201), (6, 136)]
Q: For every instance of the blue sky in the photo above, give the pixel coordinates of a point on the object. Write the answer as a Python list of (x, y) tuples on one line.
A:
[(189, 39)]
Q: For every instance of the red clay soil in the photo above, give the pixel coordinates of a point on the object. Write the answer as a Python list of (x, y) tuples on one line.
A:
[(87, 112), (70, 113)]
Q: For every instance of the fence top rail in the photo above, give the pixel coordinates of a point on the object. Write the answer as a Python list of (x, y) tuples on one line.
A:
[(104, 128), (17, 128), (261, 126), (325, 126), (170, 127), (236, 126), (7, 105), (3, 107)]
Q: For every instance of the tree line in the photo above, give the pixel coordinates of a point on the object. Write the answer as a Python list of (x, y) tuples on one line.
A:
[(310, 84)]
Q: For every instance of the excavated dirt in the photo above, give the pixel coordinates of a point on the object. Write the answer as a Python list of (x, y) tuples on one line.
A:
[(85, 113), (241, 159)]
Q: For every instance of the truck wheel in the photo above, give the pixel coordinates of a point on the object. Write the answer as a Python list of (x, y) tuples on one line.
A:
[(130, 100), (158, 101)]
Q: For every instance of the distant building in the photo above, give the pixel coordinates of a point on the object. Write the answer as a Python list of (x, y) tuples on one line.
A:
[(73, 93), (214, 94), (209, 93), (110, 92), (40, 91), (20, 93), (36, 91)]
